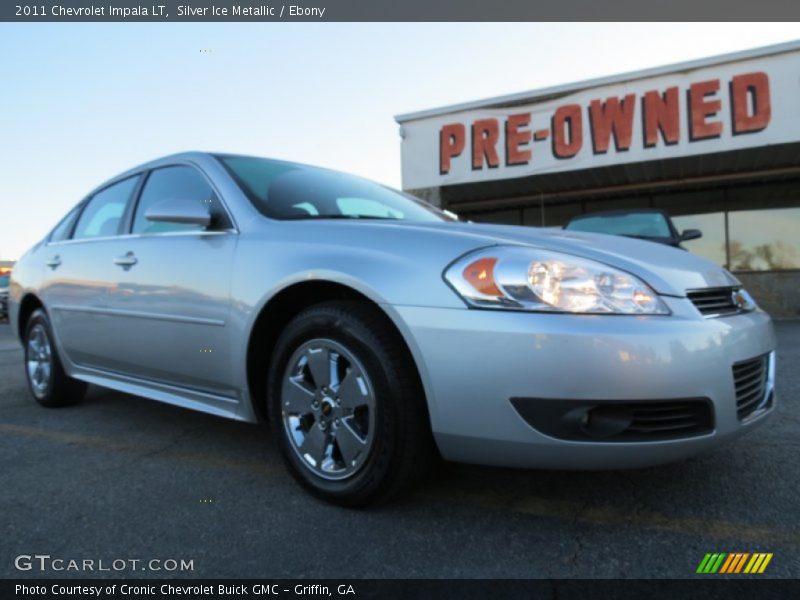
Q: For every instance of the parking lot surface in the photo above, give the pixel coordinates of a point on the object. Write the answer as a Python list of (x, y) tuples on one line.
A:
[(119, 477)]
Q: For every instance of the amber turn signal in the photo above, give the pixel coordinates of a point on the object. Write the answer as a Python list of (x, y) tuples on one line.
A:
[(480, 275)]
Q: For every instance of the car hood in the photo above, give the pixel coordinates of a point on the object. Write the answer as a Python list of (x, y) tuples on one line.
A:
[(668, 270)]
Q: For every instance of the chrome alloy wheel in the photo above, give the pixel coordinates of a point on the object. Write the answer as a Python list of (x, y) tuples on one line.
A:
[(328, 408), (39, 360)]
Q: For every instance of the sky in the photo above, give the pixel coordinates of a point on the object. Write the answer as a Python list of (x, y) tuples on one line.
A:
[(80, 103)]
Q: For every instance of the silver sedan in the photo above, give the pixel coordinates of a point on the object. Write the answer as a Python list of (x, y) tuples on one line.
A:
[(376, 332)]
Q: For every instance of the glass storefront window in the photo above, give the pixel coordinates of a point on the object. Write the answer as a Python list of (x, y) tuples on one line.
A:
[(764, 240), (557, 215), (763, 221), (712, 244), (500, 217)]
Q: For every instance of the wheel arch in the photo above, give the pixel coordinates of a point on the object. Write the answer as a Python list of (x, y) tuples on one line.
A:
[(283, 306), (27, 305)]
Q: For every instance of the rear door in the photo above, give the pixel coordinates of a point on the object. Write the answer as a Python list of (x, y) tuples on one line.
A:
[(80, 277), (172, 292)]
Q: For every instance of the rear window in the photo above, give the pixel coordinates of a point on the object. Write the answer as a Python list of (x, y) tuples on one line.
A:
[(282, 190), (102, 215), (63, 230)]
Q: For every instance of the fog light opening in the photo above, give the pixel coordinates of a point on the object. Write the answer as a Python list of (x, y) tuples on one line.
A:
[(600, 422)]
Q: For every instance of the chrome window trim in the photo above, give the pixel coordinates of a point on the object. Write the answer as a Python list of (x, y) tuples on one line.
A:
[(128, 236), (133, 202)]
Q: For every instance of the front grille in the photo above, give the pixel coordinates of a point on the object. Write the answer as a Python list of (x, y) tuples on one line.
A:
[(669, 420), (750, 380), (714, 301)]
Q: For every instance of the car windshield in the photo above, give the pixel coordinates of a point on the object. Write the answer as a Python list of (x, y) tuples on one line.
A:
[(283, 190), (635, 224), (4, 281)]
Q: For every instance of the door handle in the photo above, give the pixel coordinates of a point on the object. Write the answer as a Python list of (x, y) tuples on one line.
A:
[(126, 261), (54, 262)]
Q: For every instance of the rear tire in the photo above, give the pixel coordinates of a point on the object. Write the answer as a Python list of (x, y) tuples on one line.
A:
[(356, 433), (47, 381)]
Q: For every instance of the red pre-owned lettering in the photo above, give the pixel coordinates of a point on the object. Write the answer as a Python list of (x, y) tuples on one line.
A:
[(485, 134), (745, 98), (701, 108), (451, 144), (661, 113), (612, 118), (567, 131), (517, 139), (750, 102)]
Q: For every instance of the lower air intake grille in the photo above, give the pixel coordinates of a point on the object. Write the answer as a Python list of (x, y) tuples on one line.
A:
[(669, 420), (714, 301), (750, 380), (617, 421)]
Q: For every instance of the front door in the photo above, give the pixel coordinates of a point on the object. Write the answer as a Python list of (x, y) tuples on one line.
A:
[(171, 299)]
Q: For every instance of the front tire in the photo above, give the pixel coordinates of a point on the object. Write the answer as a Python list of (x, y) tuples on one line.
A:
[(346, 405), (47, 381)]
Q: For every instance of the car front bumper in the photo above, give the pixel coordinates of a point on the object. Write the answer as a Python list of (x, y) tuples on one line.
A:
[(473, 362)]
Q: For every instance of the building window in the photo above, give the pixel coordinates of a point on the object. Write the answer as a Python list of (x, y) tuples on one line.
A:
[(558, 215), (751, 227), (500, 217), (764, 240)]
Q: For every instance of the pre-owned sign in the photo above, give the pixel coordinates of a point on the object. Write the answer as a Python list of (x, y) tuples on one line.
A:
[(713, 109)]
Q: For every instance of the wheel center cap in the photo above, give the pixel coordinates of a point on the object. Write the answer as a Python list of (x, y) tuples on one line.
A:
[(327, 406)]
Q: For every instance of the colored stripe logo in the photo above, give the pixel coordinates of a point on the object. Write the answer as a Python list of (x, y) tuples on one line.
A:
[(734, 562)]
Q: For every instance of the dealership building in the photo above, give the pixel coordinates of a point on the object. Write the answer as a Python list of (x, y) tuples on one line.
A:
[(715, 142)]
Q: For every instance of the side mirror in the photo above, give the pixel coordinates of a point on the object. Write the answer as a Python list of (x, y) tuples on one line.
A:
[(691, 234), (180, 211)]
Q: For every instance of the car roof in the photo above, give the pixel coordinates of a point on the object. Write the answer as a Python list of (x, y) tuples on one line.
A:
[(200, 158)]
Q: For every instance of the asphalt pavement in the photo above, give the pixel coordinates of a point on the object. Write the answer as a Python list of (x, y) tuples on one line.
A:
[(122, 478)]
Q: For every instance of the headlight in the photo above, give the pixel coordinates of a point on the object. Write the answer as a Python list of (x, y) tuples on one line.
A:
[(518, 278)]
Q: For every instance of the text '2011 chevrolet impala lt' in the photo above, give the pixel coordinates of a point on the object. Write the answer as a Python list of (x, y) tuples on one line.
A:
[(372, 329)]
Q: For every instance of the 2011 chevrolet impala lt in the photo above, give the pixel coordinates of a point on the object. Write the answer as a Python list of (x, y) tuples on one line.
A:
[(373, 330)]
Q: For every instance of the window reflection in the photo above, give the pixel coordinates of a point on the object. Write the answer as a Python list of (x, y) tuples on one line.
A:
[(764, 240), (712, 244)]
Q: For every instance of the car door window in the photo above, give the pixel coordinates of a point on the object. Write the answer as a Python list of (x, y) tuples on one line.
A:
[(102, 214), (176, 183)]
